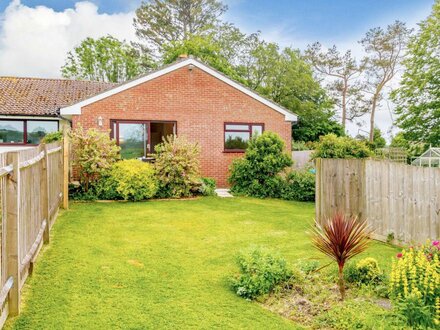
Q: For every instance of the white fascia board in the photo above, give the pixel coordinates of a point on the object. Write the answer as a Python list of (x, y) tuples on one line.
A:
[(75, 109)]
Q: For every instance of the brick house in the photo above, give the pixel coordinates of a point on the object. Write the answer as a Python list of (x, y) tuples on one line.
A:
[(187, 98)]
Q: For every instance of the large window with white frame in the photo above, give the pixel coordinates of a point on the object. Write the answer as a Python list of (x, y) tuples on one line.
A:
[(237, 135)]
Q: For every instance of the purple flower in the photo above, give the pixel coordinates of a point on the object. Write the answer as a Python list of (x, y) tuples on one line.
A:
[(436, 243)]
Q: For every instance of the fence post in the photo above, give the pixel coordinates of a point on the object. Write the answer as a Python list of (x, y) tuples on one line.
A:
[(12, 231), (65, 171), (44, 186)]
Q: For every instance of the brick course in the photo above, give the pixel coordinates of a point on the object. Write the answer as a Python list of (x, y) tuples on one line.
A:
[(199, 103)]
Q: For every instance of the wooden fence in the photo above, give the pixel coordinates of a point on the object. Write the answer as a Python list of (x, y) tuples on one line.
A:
[(399, 201), (32, 185)]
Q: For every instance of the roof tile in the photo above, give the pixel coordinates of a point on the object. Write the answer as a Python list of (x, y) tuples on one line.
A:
[(43, 97)]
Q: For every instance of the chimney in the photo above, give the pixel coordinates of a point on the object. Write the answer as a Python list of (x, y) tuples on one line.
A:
[(183, 56)]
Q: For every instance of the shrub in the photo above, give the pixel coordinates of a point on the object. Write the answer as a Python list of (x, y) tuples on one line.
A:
[(105, 188), (298, 185), (256, 174), (341, 238), (207, 187), (366, 271), (134, 180), (52, 137), (415, 284), (308, 266), (331, 146), (177, 167), (260, 272), (93, 153)]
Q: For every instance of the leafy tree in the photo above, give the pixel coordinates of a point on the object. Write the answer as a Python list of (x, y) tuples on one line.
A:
[(205, 48), (413, 148), (105, 59), (378, 141), (385, 49), (311, 126), (165, 21), (418, 97), (343, 71), (331, 146)]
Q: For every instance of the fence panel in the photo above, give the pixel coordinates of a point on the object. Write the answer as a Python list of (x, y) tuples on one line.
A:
[(32, 184), (399, 200)]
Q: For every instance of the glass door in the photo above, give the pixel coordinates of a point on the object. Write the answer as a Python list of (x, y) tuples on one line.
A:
[(133, 140)]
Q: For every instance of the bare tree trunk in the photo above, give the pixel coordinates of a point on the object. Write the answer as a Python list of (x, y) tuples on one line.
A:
[(344, 105), (373, 113)]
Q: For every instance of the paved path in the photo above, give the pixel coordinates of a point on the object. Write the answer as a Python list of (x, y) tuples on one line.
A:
[(224, 193)]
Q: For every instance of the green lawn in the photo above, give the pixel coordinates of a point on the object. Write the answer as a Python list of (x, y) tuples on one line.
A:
[(161, 264)]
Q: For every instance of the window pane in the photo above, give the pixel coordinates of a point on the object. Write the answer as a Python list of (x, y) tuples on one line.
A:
[(236, 140), (11, 131), (237, 127), (133, 139), (36, 130), (257, 130)]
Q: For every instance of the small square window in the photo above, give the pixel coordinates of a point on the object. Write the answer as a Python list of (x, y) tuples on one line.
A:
[(237, 135)]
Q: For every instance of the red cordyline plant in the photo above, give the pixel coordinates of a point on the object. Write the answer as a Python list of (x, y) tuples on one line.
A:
[(341, 238)]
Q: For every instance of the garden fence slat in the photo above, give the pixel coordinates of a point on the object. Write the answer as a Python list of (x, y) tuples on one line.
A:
[(397, 199), (31, 191)]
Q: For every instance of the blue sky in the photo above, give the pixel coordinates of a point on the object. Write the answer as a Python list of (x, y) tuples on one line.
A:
[(291, 21)]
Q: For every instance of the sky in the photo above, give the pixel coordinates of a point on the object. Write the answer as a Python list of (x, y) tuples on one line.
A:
[(35, 35)]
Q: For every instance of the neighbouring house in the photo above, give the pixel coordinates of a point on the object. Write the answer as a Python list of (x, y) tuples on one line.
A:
[(29, 107), (187, 98)]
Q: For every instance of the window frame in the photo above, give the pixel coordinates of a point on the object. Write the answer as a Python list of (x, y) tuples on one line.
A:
[(24, 143), (249, 130), (115, 134)]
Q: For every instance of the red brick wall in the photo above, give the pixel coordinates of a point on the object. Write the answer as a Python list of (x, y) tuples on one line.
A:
[(200, 103)]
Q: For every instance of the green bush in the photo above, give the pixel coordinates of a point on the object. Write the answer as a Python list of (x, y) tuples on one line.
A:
[(207, 187), (177, 167), (308, 266), (331, 146), (260, 272), (365, 271), (298, 185), (93, 154), (134, 180), (257, 173), (415, 284), (52, 137)]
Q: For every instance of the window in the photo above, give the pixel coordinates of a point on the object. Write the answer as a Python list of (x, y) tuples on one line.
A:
[(138, 138), (37, 129), (11, 131), (25, 131), (237, 135)]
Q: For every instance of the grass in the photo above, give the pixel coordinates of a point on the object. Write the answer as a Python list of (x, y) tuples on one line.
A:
[(162, 264)]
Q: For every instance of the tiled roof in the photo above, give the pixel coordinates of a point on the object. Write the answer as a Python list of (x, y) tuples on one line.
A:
[(43, 97)]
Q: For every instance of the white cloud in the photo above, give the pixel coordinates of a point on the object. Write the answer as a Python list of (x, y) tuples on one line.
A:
[(34, 41)]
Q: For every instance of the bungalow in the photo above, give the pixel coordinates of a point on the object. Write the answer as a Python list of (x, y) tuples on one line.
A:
[(186, 98)]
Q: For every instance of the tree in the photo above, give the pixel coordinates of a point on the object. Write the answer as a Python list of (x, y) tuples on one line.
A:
[(378, 141), (164, 21), (418, 97), (343, 72), (205, 48), (385, 49), (105, 59)]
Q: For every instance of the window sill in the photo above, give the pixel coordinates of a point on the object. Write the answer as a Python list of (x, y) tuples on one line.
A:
[(234, 151)]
